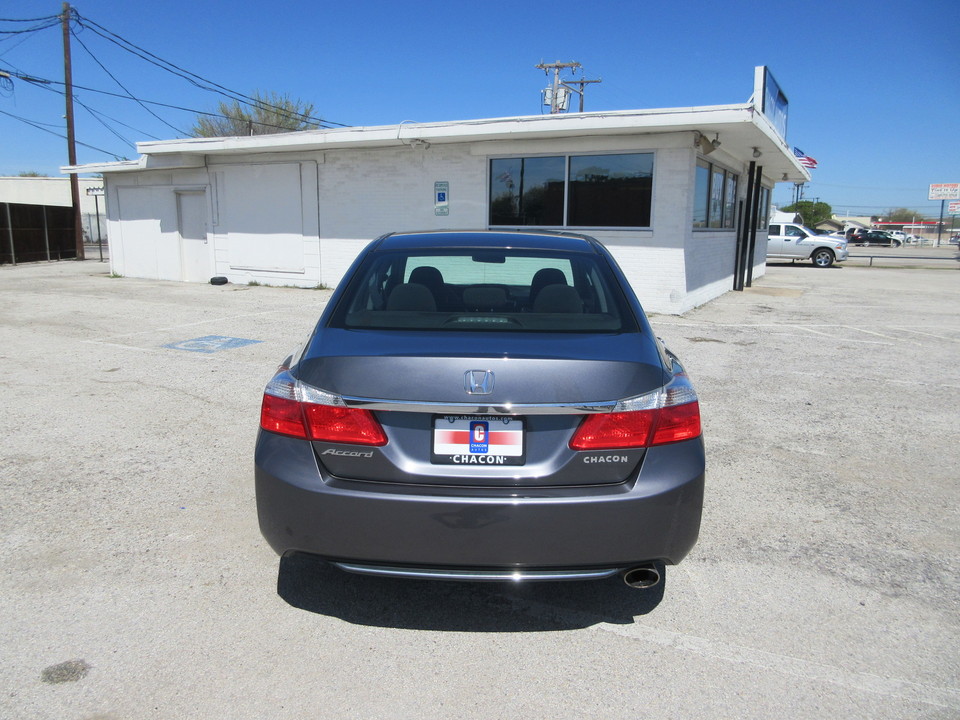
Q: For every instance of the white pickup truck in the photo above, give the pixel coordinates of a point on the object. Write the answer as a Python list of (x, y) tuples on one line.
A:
[(797, 242)]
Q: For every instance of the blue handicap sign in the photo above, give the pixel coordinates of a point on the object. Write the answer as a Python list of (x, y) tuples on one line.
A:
[(211, 343)]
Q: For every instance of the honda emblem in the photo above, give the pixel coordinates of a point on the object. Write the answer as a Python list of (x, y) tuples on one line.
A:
[(478, 382)]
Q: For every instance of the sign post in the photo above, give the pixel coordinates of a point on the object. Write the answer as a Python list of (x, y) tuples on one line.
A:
[(943, 192), (953, 209), (97, 192)]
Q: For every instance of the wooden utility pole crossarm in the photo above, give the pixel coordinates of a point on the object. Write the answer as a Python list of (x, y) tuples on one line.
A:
[(558, 103)]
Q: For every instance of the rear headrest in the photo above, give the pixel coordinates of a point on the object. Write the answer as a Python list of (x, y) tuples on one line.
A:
[(427, 275), (544, 277), (558, 299), (411, 297)]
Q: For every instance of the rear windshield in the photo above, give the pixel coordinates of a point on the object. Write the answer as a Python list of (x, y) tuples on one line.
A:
[(485, 290)]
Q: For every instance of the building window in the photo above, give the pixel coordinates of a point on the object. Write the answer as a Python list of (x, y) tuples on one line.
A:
[(572, 191), (701, 194), (714, 197), (610, 190), (730, 200), (763, 212), (527, 191)]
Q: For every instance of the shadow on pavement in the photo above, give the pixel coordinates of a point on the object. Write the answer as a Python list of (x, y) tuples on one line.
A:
[(308, 583), (805, 264)]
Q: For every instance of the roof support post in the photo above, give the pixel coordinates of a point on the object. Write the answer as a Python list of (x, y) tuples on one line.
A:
[(743, 232), (754, 218)]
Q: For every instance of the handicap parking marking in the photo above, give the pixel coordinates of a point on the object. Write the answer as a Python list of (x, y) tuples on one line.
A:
[(211, 343)]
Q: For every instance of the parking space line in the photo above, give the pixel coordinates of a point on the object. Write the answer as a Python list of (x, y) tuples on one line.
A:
[(188, 325), (869, 332), (813, 329), (927, 334), (773, 662), (789, 665), (911, 382), (218, 358)]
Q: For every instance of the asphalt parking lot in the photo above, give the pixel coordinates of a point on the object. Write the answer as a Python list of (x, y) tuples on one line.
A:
[(135, 583)]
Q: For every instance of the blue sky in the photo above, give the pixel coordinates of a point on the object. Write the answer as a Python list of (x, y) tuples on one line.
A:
[(874, 88)]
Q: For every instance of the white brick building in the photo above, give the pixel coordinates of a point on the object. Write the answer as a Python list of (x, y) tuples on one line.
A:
[(295, 208)]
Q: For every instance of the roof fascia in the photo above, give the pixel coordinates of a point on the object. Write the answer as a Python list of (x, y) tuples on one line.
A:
[(624, 121)]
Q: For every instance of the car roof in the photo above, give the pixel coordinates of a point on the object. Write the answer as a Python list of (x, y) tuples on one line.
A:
[(487, 239)]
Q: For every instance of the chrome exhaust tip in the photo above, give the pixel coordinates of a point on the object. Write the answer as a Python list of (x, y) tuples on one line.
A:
[(641, 576)]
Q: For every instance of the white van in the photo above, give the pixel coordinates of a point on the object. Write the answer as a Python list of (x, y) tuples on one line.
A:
[(798, 242)]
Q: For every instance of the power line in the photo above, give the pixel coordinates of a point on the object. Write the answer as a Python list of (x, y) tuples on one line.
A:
[(21, 36), (103, 122), (35, 28), (100, 115), (129, 94), (191, 77), (43, 82), (56, 18), (195, 79), (38, 125)]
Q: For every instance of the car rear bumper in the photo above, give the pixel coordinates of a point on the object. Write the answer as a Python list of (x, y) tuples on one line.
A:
[(654, 516)]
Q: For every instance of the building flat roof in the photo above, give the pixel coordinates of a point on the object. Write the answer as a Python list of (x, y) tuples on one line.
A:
[(741, 128)]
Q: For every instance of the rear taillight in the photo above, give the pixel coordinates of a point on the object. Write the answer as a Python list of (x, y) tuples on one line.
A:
[(681, 422), (292, 408), (614, 430), (350, 426), (668, 415)]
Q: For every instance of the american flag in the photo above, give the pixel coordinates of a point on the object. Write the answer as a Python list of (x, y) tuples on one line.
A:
[(805, 160)]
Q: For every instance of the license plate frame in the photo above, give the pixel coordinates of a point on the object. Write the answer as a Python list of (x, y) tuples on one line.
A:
[(478, 440)]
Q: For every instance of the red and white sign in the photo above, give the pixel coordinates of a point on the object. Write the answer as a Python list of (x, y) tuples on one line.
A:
[(478, 440), (945, 191), (498, 442), (954, 208)]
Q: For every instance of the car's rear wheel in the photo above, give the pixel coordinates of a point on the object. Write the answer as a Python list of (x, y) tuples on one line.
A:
[(822, 258)]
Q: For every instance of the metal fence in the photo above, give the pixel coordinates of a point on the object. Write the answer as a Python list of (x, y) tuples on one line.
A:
[(30, 233)]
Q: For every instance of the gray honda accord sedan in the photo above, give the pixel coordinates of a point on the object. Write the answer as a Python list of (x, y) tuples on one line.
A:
[(483, 406)]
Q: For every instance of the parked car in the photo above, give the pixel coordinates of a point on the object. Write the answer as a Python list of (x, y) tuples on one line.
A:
[(483, 406), (873, 237), (797, 242)]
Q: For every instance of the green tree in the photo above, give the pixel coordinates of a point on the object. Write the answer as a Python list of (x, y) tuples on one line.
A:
[(270, 113), (901, 215), (812, 212), (31, 173)]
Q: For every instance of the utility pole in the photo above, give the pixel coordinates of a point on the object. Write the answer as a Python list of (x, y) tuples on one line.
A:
[(581, 83), (71, 139), (558, 93)]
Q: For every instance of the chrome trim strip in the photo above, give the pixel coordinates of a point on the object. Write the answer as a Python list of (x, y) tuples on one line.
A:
[(475, 409), (505, 575)]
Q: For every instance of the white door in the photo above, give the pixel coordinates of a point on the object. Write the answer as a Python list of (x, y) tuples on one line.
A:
[(194, 247)]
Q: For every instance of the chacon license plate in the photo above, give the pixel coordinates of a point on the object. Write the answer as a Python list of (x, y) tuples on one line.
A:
[(478, 440)]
